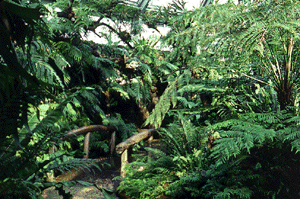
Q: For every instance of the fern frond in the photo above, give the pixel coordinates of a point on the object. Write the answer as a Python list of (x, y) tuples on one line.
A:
[(240, 137), (191, 88), (168, 98), (53, 116), (119, 89), (70, 49), (65, 163), (126, 130)]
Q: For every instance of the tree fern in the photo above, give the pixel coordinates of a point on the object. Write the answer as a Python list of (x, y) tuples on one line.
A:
[(168, 99), (126, 130), (258, 34)]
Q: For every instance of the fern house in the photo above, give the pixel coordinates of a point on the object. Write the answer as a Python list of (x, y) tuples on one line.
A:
[(215, 113)]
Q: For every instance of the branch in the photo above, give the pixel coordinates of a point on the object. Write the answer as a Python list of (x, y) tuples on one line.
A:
[(118, 33), (251, 77)]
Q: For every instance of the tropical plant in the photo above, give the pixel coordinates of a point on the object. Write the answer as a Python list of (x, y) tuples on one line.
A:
[(51, 82), (259, 41), (235, 77), (26, 81)]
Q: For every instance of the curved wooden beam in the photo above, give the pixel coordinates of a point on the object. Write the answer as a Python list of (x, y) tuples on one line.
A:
[(90, 128), (120, 148)]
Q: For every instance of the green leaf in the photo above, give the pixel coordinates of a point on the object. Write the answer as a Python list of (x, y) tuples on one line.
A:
[(23, 12), (69, 184), (108, 194), (84, 183)]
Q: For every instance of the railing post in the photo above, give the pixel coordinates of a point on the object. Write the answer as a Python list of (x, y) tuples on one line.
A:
[(124, 162), (150, 145), (112, 147), (50, 175), (86, 145)]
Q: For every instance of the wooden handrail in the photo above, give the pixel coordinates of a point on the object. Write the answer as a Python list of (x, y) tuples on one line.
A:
[(90, 128), (122, 148)]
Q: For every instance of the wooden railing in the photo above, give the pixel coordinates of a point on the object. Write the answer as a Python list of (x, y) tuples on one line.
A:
[(86, 130), (122, 148)]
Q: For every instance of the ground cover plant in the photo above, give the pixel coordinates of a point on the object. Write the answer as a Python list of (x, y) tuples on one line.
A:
[(233, 98)]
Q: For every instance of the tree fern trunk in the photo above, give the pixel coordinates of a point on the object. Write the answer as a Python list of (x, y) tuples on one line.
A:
[(285, 96)]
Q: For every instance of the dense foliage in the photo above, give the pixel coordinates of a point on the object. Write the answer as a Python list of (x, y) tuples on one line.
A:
[(230, 110), (53, 81), (223, 88)]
